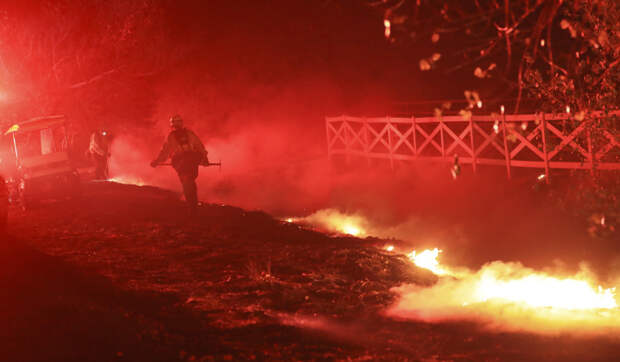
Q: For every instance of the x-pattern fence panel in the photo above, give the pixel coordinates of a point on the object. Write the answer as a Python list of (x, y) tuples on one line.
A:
[(536, 140)]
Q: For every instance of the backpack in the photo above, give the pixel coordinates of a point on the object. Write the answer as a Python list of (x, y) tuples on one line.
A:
[(187, 159)]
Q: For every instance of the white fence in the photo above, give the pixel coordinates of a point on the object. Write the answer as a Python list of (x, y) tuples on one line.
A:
[(545, 141)]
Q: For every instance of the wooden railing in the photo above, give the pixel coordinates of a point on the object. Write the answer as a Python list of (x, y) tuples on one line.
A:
[(545, 141)]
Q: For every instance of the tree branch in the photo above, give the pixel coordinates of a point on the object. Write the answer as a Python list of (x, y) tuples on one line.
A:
[(92, 80)]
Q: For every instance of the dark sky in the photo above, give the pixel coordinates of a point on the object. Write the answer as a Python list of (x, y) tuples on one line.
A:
[(340, 42)]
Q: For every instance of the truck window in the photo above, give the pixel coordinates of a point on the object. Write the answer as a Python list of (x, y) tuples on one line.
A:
[(29, 144)]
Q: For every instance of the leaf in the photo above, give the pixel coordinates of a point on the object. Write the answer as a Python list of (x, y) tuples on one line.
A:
[(511, 137), (475, 96), (466, 114), (579, 116), (435, 57), (478, 72), (573, 32), (566, 25), (603, 39), (472, 98), (424, 65), (435, 38)]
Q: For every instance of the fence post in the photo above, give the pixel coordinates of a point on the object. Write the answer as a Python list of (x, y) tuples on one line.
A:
[(329, 141), (389, 133), (473, 145), (544, 138), (415, 145), (346, 141), (443, 148), (590, 151), (505, 143), (366, 143)]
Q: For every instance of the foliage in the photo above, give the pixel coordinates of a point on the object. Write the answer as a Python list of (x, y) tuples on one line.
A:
[(59, 53), (527, 44), (563, 54)]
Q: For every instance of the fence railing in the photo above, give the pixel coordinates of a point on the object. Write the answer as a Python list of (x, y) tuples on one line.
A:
[(545, 141)]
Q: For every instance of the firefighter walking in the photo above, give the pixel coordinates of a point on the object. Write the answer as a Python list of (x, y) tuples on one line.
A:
[(186, 152), (99, 151)]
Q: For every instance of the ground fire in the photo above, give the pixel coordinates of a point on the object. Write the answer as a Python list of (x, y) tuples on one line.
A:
[(505, 296), (509, 296)]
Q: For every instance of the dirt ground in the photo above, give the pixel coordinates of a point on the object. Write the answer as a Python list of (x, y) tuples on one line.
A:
[(123, 274)]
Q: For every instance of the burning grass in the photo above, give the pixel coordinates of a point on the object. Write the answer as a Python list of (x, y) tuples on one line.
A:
[(501, 295), (249, 286), (511, 297)]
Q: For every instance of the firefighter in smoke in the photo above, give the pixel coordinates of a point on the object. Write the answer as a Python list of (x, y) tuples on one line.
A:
[(99, 152), (187, 153)]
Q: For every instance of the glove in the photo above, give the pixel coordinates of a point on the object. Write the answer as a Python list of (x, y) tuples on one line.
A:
[(154, 163)]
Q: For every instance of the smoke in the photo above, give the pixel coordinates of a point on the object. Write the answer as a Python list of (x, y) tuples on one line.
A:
[(251, 176), (272, 150)]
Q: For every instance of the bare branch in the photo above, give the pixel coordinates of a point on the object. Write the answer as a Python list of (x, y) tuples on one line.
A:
[(92, 80)]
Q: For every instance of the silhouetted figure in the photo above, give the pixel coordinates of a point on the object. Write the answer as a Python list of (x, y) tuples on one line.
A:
[(99, 151), (455, 170), (187, 153)]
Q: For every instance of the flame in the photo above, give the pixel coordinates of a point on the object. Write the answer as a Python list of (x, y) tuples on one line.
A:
[(510, 296), (127, 180), (540, 290), (334, 221), (504, 296), (427, 259), (351, 230)]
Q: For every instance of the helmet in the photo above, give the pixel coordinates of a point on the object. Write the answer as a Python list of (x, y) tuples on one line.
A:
[(176, 121)]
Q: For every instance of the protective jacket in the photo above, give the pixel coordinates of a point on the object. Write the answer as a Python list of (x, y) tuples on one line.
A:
[(179, 142), (98, 145)]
